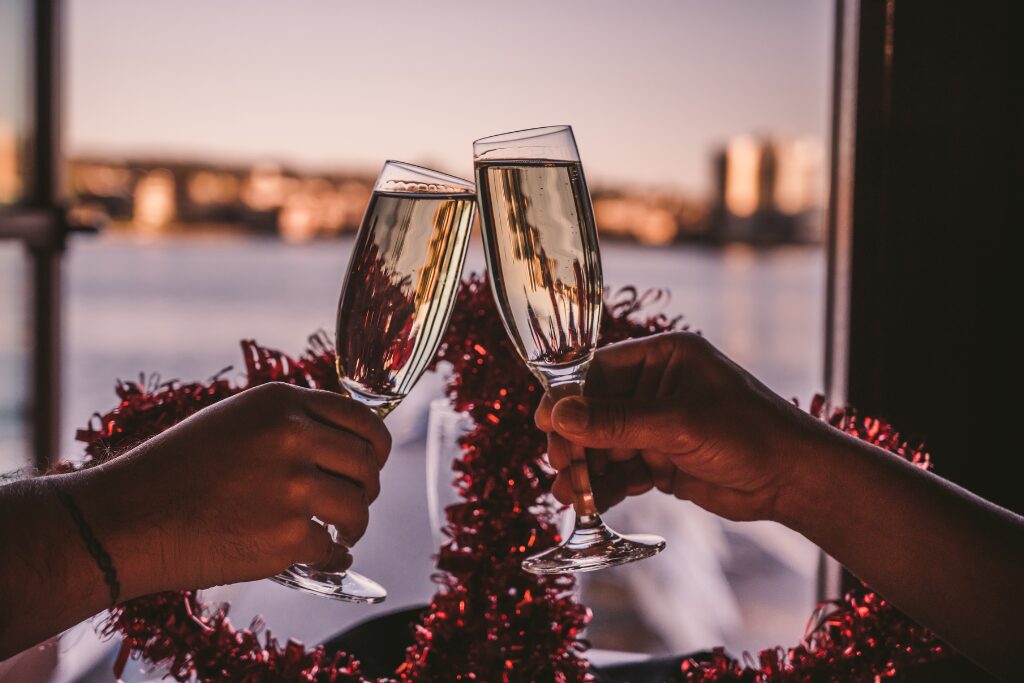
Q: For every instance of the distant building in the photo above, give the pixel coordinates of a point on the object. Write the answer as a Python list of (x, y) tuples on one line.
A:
[(151, 196), (10, 185), (653, 218), (104, 187), (317, 207), (635, 218), (154, 203), (767, 191)]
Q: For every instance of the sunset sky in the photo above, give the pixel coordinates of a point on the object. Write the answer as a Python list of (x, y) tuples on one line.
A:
[(651, 88)]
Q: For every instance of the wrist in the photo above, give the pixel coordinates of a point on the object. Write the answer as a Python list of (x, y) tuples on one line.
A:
[(113, 512), (48, 582), (87, 535), (816, 461)]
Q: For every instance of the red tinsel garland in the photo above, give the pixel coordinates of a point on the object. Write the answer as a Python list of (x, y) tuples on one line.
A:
[(862, 637), (490, 618), (489, 621)]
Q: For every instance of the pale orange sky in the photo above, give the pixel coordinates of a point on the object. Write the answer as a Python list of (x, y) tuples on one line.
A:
[(650, 87)]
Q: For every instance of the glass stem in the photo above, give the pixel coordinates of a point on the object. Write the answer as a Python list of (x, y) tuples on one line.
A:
[(378, 405), (583, 493)]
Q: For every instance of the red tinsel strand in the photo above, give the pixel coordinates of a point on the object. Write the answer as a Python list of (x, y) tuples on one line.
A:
[(489, 620), (147, 408), (532, 625), (175, 630), (859, 638), (526, 627)]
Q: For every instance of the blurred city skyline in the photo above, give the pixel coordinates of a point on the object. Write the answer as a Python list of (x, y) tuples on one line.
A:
[(766, 191), (653, 90)]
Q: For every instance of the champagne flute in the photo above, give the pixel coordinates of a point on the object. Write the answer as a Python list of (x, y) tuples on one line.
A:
[(545, 273), (394, 308)]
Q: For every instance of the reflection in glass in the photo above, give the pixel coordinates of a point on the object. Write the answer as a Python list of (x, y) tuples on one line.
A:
[(395, 305), (545, 271)]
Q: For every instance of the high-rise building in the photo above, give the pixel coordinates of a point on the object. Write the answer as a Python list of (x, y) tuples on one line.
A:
[(154, 205), (767, 190), (9, 180)]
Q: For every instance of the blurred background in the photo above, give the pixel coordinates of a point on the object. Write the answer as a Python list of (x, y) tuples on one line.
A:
[(228, 151)]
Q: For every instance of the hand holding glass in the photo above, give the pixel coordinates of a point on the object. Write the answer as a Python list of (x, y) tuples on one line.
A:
[(545, 271), (395, 305)]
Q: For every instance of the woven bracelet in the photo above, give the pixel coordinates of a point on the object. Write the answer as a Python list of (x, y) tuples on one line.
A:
[(92, 544)]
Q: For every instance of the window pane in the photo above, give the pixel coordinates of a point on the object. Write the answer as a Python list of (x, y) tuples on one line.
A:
[(15, 108), (13, 356), (234, 169)]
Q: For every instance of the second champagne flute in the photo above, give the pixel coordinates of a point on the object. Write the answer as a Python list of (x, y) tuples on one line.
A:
[(395, 305), (545, 272)]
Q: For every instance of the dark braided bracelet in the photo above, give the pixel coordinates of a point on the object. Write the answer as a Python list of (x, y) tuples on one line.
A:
[(92, 544)]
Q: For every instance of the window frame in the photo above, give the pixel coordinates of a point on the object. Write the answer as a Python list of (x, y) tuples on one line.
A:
[(37, 220)]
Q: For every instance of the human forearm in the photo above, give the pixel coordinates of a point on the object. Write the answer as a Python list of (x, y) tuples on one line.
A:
[(179, 511), (705, 430), (48, 580), (948, 558)]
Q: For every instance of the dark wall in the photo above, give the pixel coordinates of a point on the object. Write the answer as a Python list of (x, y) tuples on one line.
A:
[(934, 310)]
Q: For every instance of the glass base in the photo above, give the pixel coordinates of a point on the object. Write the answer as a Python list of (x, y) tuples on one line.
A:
[(594, 546), (348, 586)]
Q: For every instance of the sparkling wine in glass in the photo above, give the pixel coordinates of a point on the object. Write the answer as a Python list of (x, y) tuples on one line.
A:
[(395, 305), (545, 272)]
